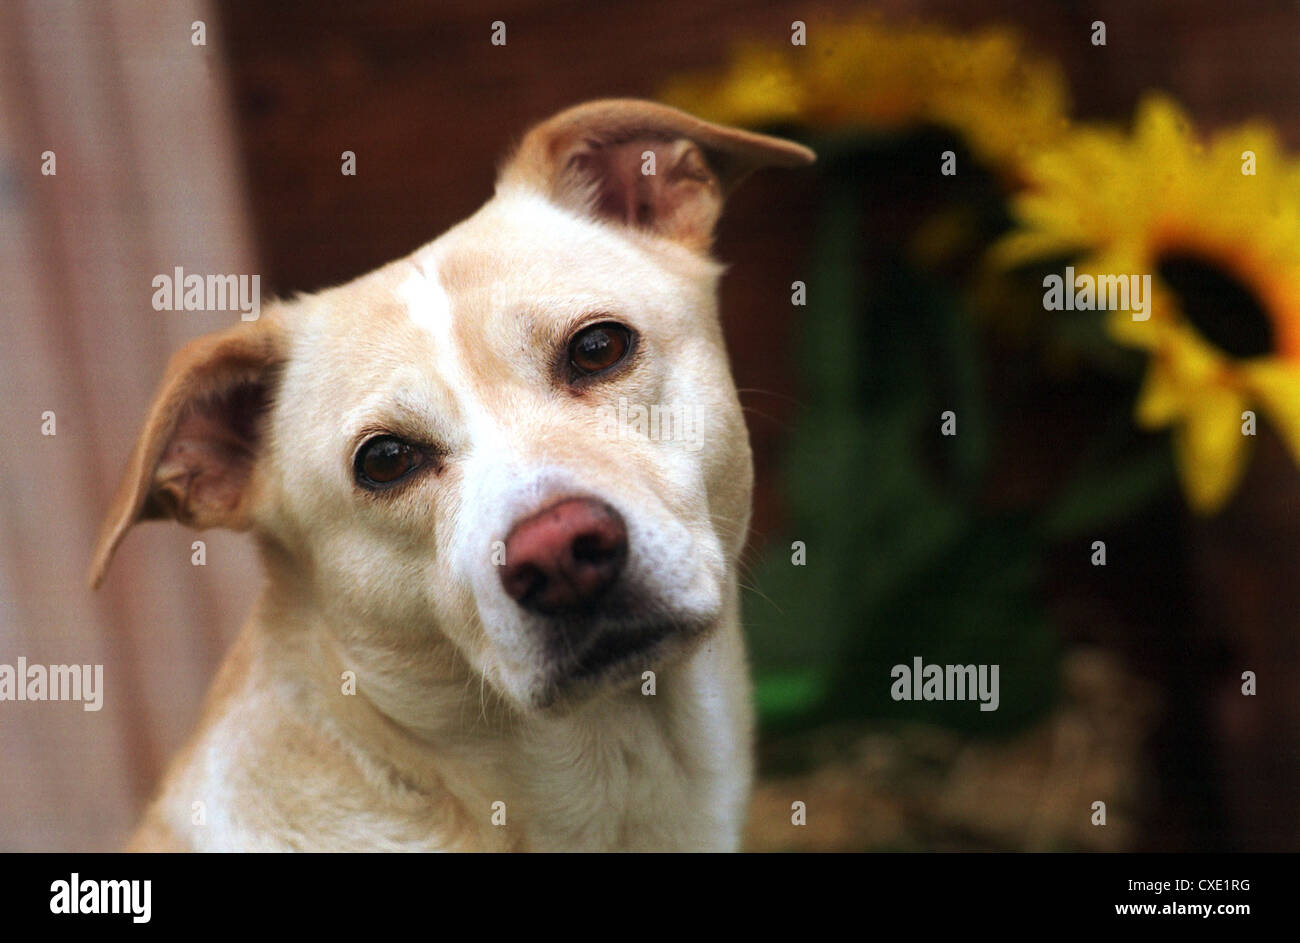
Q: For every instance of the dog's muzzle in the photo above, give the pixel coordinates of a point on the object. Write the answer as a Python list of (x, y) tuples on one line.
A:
[(566, 567)]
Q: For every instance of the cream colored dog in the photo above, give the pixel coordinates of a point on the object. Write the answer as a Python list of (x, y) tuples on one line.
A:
[(501, 610)]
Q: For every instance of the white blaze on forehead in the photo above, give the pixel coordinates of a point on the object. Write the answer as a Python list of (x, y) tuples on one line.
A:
[(429, 307), (427, 301)]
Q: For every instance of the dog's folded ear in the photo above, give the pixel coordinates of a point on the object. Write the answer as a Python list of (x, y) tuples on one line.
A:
[(644, 164), (194, 458)]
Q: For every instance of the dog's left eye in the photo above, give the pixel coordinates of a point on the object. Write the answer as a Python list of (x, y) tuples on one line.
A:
[(386, 459), (599, 347)]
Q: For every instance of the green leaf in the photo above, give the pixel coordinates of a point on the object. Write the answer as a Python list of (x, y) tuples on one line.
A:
[(780, 696), (1097, 497)]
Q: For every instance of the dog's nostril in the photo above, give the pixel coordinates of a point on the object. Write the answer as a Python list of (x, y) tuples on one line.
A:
[(524, 582), (591, 548), (564, 558)]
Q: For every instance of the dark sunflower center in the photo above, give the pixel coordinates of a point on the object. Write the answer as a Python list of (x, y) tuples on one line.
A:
[(1224, 311)]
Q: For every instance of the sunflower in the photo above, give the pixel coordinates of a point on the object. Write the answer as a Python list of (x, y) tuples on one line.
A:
[(868, 76), (1222, 324)]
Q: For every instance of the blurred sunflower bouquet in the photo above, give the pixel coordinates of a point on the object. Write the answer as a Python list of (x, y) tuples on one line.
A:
[(866, 76), (955, 430), (1217, 225)]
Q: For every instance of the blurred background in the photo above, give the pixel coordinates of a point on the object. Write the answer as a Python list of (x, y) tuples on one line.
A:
[(1120, 683)]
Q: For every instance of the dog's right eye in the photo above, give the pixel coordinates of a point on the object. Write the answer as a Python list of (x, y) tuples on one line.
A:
[(385, 460)]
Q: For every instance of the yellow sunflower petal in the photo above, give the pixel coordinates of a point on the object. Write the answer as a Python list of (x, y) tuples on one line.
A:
[(1210, 449), (1160, 403), (1024, 247), (1277, 387)]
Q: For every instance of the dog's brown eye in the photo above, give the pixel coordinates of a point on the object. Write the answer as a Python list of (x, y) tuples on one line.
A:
[(385, 459), (599, 347)]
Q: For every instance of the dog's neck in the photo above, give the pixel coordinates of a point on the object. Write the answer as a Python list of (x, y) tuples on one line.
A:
[(626, 769)]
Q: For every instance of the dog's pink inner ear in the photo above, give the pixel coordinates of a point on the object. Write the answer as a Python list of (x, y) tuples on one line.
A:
[(643, 164), (202, 477), (195, 456), (653, 183)]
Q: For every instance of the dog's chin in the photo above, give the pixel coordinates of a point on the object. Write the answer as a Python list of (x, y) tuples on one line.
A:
[(613, 659)]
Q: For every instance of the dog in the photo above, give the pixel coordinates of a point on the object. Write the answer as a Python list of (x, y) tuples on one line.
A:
[(499, 614)]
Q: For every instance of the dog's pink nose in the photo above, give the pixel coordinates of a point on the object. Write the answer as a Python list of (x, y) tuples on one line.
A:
[(564, 558)]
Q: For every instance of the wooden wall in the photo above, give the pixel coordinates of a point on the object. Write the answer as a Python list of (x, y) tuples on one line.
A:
[(146, 179)]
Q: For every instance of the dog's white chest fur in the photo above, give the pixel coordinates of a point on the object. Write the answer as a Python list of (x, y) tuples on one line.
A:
[(634, 772)]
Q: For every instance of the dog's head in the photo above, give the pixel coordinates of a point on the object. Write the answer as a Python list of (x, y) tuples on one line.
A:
[(517, 451)]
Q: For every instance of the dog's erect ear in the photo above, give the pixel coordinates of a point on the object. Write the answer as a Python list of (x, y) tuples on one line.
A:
[(194, 457), (644, 164)]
